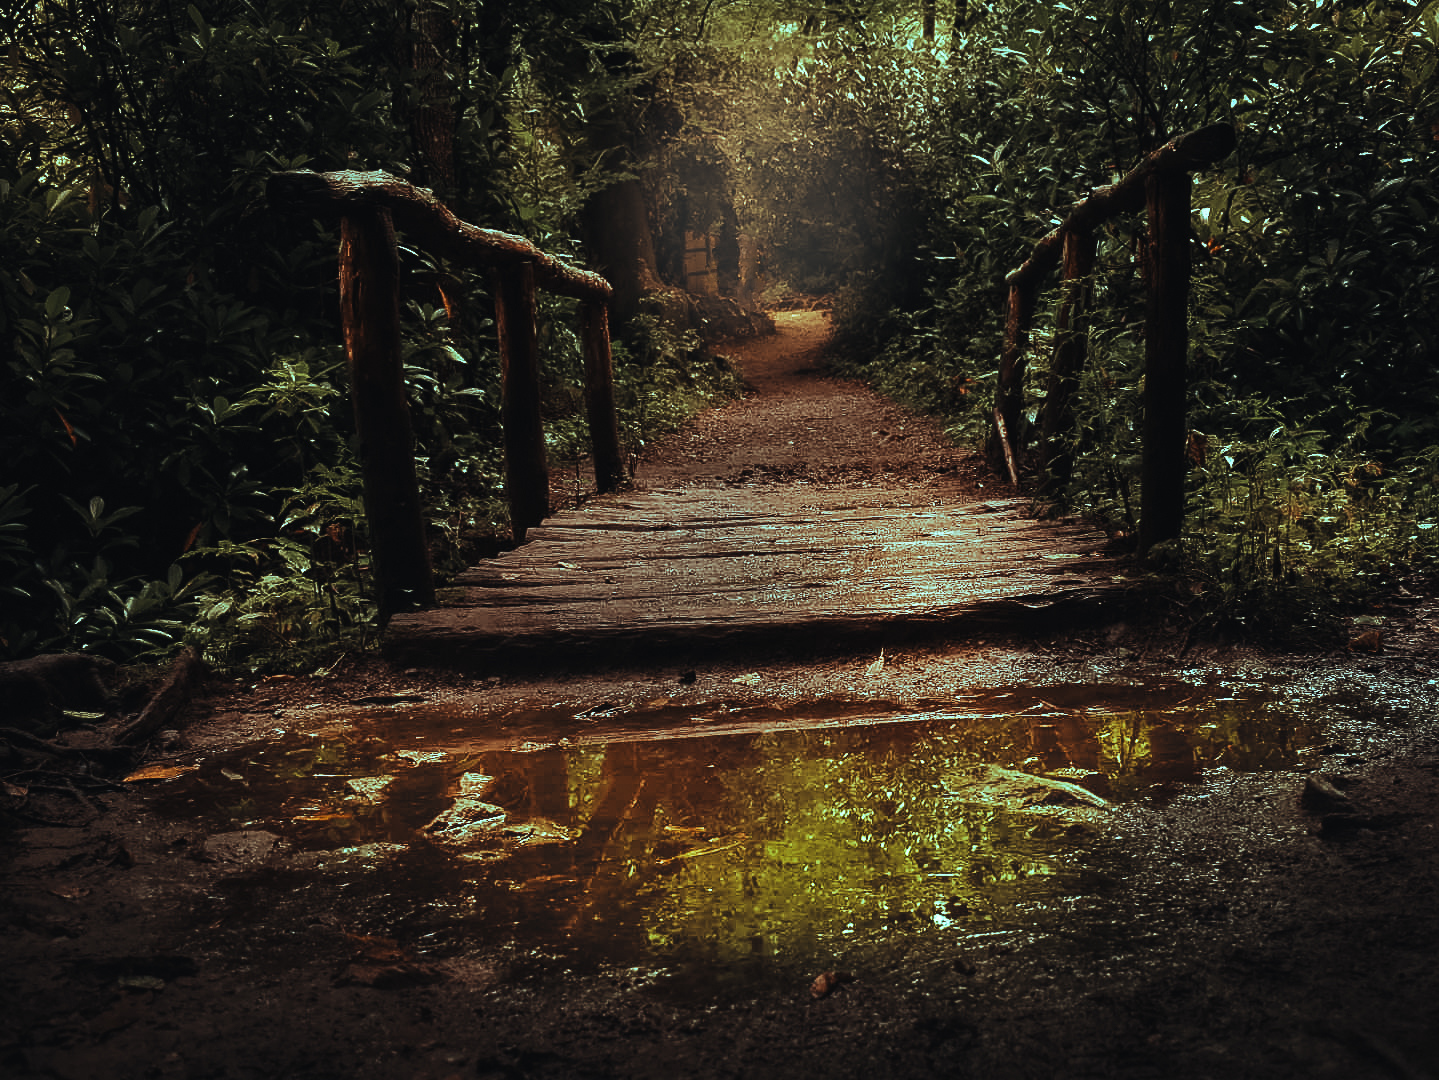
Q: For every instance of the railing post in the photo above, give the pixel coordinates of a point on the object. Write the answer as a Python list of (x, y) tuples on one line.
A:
[(527, 473), (370, 310), (600, 395), (1071, 326), (1008, 442), (1166, 347)]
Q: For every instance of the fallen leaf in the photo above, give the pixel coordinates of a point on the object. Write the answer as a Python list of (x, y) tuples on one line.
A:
[(141, 982), (382, 963), (1370, 641), (422, 757), (392, 976), (369, 947), (160, 772), (828, 983)]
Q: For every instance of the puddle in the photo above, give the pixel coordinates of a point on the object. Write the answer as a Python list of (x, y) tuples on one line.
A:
[(661, 838)]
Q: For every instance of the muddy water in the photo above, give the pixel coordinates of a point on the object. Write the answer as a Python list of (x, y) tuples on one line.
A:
[(711, 838)]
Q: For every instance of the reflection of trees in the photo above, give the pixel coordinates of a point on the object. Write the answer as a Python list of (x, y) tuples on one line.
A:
[(800, 843)]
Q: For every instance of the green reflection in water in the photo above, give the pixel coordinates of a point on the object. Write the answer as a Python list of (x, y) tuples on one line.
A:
[(791, 846)]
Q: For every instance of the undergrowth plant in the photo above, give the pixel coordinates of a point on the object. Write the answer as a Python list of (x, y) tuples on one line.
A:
[(1284, 529)]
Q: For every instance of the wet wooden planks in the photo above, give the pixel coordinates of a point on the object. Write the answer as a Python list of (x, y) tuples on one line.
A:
[(656, 570)]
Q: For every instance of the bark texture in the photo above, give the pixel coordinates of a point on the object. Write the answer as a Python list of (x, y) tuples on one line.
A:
[(431, 225), (370, 310), (1166, 347), (527, 472)]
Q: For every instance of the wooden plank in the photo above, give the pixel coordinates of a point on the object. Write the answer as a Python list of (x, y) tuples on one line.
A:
[(637, 573)]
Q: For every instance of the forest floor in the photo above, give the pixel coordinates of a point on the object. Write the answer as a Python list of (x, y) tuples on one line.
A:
[(1225, 914)]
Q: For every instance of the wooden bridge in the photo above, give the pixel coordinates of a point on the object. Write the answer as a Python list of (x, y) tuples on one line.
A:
[(634, 576), (637, 573)]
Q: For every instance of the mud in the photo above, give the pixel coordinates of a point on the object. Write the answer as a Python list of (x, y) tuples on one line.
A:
[(803, 862)]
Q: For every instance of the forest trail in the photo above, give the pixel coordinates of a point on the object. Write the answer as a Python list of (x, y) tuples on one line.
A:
[(809, 509)]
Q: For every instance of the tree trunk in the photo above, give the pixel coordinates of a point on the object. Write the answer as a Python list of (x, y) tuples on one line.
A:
[(961, 23), (432, 123), (617, 235)]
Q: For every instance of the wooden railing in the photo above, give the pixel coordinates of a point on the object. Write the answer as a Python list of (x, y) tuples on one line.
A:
[(370, 206), (1161, 182)]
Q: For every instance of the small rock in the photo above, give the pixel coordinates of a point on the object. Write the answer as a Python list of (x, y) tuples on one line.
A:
[(1320, 796)]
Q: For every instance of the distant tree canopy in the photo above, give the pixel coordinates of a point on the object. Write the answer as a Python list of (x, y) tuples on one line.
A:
[(174, 440)]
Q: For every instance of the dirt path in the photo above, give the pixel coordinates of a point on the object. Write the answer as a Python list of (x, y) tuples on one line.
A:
[(802, 428), (225, 924)]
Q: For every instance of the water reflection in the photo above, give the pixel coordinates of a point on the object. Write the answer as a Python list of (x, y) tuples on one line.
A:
[(836, 834)]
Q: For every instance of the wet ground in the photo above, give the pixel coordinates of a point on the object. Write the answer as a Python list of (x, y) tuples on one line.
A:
[(1102, 869), (1102, 851)]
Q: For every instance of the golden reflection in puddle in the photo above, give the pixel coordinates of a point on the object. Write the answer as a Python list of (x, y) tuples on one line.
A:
[(838, 831)]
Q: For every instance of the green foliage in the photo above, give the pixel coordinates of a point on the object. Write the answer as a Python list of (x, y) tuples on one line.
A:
[(1314, 250), (168, 342), (1284, 528), (665, 380), (282, 599)]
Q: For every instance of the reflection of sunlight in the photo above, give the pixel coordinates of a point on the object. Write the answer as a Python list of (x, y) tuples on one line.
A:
[(788, 842)]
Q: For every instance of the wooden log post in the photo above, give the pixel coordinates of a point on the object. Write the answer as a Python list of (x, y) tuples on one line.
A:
[(370, 311), (1071, 327), (1192, 150), (527, 472), (1007, 442), (600, 396), (429, 224), (1166, 347)]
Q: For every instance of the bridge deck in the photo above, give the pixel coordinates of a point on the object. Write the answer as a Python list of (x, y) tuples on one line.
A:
[(635, 573)]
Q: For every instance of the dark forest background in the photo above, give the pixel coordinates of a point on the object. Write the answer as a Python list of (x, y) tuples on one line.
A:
[(175, 439)]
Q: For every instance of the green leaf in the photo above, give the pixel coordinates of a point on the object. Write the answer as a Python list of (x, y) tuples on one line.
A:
[(56, 302)]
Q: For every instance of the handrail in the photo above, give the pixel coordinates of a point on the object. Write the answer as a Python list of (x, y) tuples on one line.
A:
[(370, 206), (432, 225), (1160, 182)]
